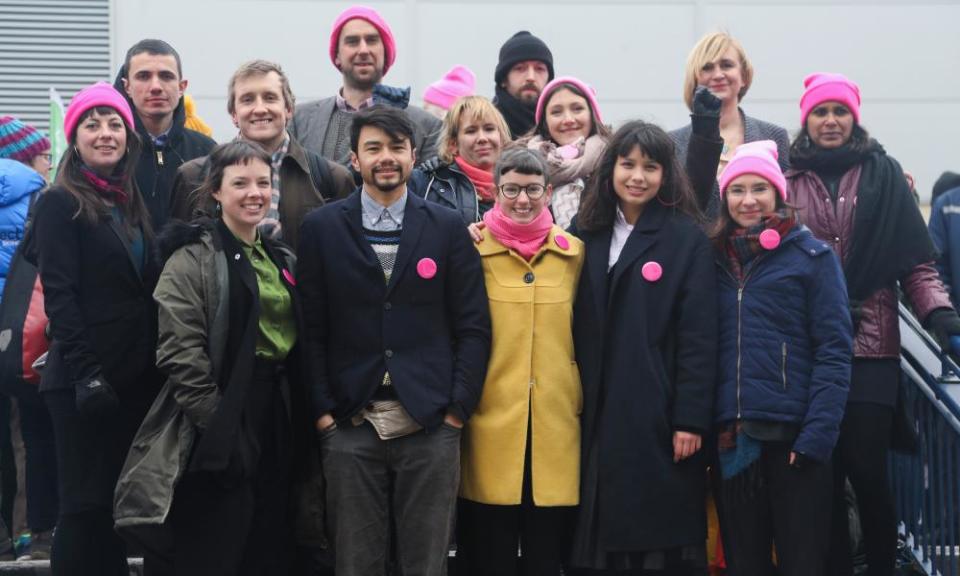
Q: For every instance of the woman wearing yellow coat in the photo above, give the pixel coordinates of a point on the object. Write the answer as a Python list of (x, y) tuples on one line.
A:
[(521, 448)]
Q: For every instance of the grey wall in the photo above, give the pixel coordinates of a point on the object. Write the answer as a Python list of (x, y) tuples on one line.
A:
[(903, 54)]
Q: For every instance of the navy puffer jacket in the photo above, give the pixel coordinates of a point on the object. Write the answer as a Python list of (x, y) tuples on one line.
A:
[(786, 341)]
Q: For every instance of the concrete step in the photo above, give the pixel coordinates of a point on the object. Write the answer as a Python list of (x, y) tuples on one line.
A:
[(42, 568)]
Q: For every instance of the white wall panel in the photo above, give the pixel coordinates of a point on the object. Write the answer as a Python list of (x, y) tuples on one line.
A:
[(904, 54)]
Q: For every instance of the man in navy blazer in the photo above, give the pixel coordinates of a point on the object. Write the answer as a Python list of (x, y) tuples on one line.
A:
[(398, 335)]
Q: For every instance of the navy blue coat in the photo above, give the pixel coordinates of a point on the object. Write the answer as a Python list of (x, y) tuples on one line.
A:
[(786, 343), (945, 232), (647, 353), (432, 334)]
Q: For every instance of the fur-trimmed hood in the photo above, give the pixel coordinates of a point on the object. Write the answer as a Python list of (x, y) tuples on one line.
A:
[(177, 234)]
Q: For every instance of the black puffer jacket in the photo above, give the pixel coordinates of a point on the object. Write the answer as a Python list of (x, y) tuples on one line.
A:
[(447, 185), (158, 164)]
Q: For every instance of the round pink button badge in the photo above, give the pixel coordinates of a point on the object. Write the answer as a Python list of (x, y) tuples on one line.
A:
[(769, 239), (651, 271), (427, 268)]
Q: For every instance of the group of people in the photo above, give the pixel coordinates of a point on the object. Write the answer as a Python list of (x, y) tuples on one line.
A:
[(357, 333)]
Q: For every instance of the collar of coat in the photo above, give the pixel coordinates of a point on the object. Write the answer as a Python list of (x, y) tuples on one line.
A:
[(490, 246)]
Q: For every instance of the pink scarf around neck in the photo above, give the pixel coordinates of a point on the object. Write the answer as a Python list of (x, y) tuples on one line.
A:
[(524, 239)]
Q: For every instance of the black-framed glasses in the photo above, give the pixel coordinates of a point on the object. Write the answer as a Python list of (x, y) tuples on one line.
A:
[(533, 191)]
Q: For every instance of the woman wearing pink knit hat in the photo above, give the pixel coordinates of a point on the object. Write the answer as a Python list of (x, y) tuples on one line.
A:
[(570, 133), (854, 196), (784, 370), (94, 250)]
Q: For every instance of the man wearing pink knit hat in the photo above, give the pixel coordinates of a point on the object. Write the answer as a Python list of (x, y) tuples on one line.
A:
[(363, 49)]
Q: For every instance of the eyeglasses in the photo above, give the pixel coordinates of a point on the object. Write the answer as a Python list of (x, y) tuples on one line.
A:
[(47, 157), (533, 191)]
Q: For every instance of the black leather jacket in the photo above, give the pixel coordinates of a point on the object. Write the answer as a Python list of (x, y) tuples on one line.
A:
[(448, 186)]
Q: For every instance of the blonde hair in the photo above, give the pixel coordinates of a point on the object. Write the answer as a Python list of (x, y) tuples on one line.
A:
[(475, 108), (708, 49)]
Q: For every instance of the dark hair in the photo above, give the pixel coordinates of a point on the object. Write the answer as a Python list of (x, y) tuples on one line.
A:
[(222, 157), (91, 205), (155, 48), (522, 161), (599, 205), (596, 126), (391, 120), (724, 224), (803, 149)]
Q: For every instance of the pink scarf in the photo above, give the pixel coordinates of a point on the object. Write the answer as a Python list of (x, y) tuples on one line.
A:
[(482, 179), (524, 239)]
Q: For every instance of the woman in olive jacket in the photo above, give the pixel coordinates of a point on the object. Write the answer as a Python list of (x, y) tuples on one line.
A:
[(229, 322)]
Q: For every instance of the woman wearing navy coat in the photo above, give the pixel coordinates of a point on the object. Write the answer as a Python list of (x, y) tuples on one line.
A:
[(645, 333), (786, 343)]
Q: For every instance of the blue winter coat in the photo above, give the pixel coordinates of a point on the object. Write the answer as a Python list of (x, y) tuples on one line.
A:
[(945, 233), (17, 182), (786, 341)]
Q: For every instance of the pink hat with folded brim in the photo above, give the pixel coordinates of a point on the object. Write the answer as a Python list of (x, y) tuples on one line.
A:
[(99, 94), (374, 18), (823, 87), (556, 83), (758, 158), (460, 81)]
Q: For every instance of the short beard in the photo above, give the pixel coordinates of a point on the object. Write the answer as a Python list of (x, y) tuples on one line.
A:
[(364, 84)]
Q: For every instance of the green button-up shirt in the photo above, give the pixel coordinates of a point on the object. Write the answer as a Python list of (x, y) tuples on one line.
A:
[(278, 329)]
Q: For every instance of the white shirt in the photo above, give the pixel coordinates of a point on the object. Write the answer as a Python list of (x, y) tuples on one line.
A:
[(621, 231)]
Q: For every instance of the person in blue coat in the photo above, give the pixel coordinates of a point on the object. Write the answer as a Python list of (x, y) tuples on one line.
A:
[(18, 182), (786, 344)]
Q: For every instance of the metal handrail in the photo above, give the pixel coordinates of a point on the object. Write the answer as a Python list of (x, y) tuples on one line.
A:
[(927, 483)]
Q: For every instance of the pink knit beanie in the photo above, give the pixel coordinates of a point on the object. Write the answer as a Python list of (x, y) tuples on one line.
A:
[(825, 87), (99, 94), (552, 86), (374, 18), (457, 83), (758, 158)]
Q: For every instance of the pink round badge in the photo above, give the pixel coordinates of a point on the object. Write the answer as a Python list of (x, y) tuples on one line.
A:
[(651, 271), (427, 268), (568, 151), (562, 242), (289, 277), (769, 239)]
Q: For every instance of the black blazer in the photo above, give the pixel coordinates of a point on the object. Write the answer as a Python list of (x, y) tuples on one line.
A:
[(432, 334), (102, 316)]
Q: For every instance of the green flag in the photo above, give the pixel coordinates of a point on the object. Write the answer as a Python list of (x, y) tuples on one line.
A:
[(58, 140)]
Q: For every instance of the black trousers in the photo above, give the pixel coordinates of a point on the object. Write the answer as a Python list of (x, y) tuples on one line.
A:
[(227, 526), (790, 508), (861, 457), (488, 535), (90, 453)]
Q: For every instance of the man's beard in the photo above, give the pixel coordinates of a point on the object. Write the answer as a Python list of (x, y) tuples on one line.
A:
[(364, 84)]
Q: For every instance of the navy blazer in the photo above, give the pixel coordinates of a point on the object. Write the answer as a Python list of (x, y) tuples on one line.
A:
[(431, 332)]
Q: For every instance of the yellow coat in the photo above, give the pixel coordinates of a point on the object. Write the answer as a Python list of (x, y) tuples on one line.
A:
[(532, 373)]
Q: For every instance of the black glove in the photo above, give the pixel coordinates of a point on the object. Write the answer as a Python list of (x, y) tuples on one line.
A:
[(943, 323), (705, 120), (95, 398), (802, 461)]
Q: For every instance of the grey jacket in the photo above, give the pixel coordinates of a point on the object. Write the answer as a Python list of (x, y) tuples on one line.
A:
[(310, 121), (753, 130)]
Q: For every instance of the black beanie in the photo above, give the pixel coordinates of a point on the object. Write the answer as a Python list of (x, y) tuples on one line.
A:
[(522, 46)]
